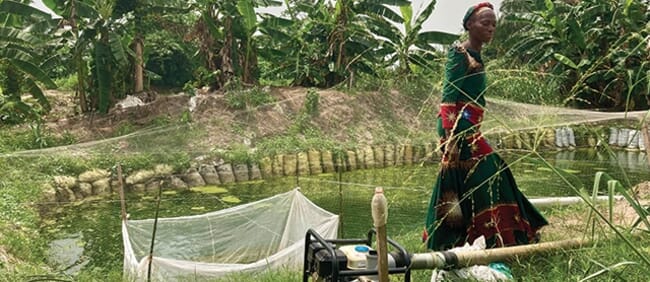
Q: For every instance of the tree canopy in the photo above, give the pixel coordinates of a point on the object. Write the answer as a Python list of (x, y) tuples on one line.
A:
[(597, 49)]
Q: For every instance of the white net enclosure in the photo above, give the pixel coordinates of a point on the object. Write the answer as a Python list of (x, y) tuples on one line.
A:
[(261, 235)]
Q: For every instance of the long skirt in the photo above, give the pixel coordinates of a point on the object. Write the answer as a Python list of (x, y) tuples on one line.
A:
[(476, 195)]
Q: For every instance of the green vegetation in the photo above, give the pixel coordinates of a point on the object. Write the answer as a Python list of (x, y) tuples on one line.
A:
[(601, 63), (523, 85), (239, 98), (587, 54), (405, 216), (36, 137), (597, 48)]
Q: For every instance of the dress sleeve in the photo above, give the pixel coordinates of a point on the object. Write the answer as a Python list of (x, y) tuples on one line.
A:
[(455, 72)]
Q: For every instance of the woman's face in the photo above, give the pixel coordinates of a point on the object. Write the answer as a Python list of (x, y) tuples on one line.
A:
[(482, 25)]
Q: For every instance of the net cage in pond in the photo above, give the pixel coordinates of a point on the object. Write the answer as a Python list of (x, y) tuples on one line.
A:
[(266, 234)]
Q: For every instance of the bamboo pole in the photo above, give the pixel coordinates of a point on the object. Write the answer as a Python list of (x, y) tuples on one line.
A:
[(446, 259), (379, 218)]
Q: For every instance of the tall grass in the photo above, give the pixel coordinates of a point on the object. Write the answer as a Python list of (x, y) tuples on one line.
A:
[(523, 85)]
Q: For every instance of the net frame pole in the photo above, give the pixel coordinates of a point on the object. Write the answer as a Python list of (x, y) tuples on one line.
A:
[(153, 235), (121, 191)]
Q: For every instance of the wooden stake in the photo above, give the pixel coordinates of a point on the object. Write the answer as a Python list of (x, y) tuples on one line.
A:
[(122, 198), (379, 217)]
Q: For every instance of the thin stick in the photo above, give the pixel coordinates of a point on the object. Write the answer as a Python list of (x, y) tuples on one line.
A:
[(122, 200), (153, 236)]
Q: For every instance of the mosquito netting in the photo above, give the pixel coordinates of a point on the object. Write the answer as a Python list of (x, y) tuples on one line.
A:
[(270, 233), (252, 237)]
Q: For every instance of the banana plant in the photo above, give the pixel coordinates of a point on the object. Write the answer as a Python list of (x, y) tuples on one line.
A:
[(137, 8), (225, 33), (593, 45), (137, 12), (246, 10), (98, 34), (294, 46), (72, 12), (413, 45), (327, 43), (23, 39)]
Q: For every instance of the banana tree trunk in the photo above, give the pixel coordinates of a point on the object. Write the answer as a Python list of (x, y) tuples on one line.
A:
[(11, 83), (79, 62), (250, 62), (103, 71), (227, 69), (81, 82), (139, 61), (138, 47)]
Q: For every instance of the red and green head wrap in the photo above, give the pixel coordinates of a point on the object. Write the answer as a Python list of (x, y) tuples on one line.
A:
[(473, 10)]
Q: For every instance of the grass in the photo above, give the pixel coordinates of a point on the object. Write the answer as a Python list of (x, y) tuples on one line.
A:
[(67, 83), (613, 258), (522, 85), (34, 137), (19, 220), (606, 260), (25, 172)]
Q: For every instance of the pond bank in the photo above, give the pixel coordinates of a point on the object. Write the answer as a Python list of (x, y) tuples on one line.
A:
[(101, 182)]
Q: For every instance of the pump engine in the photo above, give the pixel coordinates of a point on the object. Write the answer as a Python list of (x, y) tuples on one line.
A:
[(349, 260)]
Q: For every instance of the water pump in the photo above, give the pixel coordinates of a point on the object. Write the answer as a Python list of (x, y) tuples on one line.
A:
[(349, 260)]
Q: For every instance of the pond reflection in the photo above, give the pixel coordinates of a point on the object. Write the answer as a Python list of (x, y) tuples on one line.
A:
[(632, 160)]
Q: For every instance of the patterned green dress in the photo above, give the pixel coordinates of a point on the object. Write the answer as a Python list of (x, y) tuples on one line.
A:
[(475, 193)]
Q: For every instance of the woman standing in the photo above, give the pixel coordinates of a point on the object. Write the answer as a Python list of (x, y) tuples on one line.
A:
[(475, 193)]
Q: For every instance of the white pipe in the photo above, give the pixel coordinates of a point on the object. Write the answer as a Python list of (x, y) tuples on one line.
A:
[(563, 201)]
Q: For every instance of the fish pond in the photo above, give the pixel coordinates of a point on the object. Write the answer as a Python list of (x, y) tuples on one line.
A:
[(87, 235)]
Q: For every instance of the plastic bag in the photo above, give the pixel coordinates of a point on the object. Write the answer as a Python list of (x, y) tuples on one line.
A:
[(493, 272)]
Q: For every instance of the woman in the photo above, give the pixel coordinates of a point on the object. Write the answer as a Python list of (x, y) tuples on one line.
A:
[(475, 193)]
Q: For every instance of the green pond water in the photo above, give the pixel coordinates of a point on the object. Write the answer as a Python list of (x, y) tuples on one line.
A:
[(88, 234)]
